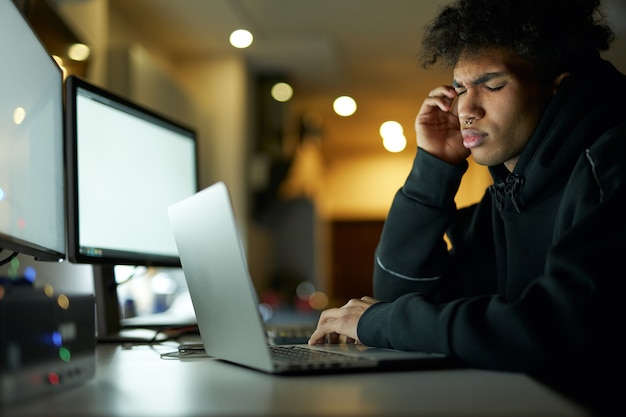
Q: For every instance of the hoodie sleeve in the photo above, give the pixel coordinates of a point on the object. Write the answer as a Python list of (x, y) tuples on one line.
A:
[(412, 254)]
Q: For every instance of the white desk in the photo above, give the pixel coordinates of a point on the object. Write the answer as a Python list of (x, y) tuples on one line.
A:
[(138, 382)]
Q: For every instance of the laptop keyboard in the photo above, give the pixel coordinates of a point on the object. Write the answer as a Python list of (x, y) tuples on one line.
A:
[(303, 354)]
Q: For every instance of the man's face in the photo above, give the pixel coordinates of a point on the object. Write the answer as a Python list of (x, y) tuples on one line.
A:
[(504, 99)]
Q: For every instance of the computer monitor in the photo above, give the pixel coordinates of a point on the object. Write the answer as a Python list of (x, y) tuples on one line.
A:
[(32, 193), (126, 165)]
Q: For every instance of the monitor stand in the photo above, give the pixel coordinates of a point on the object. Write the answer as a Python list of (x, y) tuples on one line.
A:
[(108, 317)]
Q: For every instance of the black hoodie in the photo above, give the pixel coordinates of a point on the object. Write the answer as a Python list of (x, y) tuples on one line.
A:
[(534, 281)]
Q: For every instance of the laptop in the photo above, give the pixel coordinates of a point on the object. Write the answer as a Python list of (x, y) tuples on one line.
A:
[(224, 299)]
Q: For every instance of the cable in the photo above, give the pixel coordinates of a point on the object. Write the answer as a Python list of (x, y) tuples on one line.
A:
[(8, 258)]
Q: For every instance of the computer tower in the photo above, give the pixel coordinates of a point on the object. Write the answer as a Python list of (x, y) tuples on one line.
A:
[(47, 342)]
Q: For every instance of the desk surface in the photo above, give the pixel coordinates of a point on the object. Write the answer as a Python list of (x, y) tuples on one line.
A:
[(137, 381)]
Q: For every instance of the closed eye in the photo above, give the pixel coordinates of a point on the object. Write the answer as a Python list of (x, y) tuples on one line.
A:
[(493, 89)]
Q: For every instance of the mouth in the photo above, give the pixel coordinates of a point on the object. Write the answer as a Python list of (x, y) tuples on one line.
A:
[(473, 138)]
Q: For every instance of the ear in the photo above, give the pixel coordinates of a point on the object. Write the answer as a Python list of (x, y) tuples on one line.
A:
[(557, 81)]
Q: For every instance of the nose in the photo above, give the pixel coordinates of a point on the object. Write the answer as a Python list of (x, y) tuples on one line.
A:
[(470, 106)]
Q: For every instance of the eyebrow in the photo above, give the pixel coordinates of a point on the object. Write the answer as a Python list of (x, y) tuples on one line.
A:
[(480, 80)]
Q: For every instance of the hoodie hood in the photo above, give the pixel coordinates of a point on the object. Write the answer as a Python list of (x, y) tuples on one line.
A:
[(588, 102)]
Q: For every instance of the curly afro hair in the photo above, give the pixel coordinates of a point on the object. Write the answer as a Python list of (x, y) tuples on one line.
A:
[(548, 33)]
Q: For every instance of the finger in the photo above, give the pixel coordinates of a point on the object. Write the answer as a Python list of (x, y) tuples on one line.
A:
[(319, 335), (454, 107), (333, 338), (324, 331), (439, 102), (317, 338), (443, 91), (442, 97), (369, 300)]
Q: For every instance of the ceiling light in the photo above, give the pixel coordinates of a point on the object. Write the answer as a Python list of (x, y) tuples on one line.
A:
[(393, 136), (344, 106), (78, 52), (394, 143), (241, 38), (390, 128), (282, 92)]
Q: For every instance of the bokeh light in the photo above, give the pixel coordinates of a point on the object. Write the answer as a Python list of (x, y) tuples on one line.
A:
[(318, 300), (64, 354), (30, 274), (344, 106), (53, 378), (393, 136), (241, 38), (266, 311), (63, 301), (48, 290), (78, 52), (19, 114), (305, 289), (282, 92), (394, 143), (57, 339)]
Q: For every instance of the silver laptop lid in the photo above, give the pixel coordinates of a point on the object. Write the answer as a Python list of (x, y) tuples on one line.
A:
[(215, 267)]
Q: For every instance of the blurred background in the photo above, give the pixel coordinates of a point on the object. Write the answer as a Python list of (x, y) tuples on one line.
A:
[(311, 182)]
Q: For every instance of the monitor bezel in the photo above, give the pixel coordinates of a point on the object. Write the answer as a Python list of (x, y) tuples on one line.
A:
[(23, 247), (72, 85)]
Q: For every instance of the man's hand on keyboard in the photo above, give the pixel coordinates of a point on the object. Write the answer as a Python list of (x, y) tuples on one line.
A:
[(337, 325)]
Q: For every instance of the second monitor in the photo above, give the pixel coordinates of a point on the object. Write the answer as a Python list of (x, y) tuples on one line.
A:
[(126, 164)]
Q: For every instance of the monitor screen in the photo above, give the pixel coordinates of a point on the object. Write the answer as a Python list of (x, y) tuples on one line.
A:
[(32, 193), (126, 166)]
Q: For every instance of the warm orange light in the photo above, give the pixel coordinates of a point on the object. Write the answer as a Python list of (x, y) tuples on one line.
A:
[(318, 300)]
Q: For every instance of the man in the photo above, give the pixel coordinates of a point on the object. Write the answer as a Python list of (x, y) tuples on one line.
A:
[(533, 279)]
